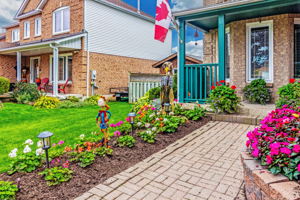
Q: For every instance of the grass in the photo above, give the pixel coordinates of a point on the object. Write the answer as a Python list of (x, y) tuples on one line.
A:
[(20, 122)]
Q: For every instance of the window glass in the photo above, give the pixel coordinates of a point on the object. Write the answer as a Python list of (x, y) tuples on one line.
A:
[(58, 16), (70, 60), (227, 55), (26, 29), (297, 51), (61, 20), (259, 53), (64, 68), (15, 35), (38, 26), (66, 19)]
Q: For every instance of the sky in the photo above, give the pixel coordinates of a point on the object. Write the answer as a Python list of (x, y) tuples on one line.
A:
[(8, 9)]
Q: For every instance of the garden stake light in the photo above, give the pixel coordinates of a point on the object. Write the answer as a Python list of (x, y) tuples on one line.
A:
[(167, 107), (45, 138), (131, 120)]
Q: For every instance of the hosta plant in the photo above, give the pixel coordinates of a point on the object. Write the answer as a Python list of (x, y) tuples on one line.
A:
[(8, 190), (56, 175), (148, 135), (195, 114), (276, 142), (84, 158), (257, 92), (126, 141)]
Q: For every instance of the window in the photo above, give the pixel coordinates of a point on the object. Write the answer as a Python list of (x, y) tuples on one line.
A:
[(297, 51), (260, 51), (15, 35), (26, 30), (64, 68), (227, 54), (61, 20), (38, 27)]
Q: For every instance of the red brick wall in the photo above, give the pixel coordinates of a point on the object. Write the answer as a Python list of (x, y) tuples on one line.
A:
[(31, 5), (7, 70)]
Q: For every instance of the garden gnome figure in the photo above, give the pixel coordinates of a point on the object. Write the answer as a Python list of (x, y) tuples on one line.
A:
[(102, 119), (167, 94)]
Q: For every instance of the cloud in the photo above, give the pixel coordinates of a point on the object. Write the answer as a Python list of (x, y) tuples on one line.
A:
[(8, 9), (181, 5), (193, 50)]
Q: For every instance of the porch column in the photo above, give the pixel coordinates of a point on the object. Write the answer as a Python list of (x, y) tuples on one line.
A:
[(221, 46), (181, 56), (19, 66), (55, 71)]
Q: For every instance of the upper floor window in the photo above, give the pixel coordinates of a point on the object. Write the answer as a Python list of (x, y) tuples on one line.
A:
[(38, 26), (26, 29), (15, 35), (61, 20)]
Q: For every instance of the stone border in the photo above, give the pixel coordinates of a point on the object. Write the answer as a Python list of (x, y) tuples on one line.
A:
[(260, 184)]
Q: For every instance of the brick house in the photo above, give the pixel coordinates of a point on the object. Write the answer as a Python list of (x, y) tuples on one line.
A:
[(244, 40), (67, 39), (174, 60)]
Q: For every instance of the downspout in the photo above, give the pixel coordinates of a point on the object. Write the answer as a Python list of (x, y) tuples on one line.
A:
[(88, 53)]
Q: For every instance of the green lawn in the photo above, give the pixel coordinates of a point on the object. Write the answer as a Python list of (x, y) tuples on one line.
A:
[(20, 122)]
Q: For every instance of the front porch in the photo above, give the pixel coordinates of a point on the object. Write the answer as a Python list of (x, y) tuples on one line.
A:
[(51, 65), (229, 49)]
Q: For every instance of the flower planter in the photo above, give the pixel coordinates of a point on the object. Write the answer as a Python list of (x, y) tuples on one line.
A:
[(260, 184)]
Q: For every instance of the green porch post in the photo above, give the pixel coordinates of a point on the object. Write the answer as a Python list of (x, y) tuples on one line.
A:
[(221, 46), (181, 57)]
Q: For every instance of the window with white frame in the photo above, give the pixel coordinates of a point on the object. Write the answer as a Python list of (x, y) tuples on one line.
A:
[(260, 51), (15, 35), (26, 30), (297, 48), (64, 68), (61, 20), (38, 26), (227, 54)]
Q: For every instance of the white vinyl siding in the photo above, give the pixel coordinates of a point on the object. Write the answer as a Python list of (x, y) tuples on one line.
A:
[(61, 20), (38, 27), (15, 35), (111, 31), (26, 30)]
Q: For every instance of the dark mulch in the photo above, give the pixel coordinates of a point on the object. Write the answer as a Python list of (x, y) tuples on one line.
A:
[(34, 187)]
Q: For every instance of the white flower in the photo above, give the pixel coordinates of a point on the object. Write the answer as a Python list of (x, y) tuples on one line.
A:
[(39, 144), (149, 132), (139, 124), (152, 115), (82, 136), (165, 119), (12, 154), (39, 151), (154, 129), (171, 113), (14, 150), (27, 149), (29, 142), (147, 125), (157, 119)]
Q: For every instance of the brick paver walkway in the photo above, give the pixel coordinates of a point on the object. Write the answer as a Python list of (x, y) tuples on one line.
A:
[(203, 165)]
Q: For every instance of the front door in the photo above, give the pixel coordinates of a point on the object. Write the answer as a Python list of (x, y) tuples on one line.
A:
[(34, 69)]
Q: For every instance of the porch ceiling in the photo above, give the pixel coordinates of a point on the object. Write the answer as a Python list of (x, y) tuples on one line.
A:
[(208, 19), (37, 51)]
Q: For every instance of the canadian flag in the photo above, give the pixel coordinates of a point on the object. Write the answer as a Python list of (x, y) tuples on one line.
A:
[(163, 20)]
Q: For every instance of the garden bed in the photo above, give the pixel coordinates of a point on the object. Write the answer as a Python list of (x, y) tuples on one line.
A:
[(33, 186)]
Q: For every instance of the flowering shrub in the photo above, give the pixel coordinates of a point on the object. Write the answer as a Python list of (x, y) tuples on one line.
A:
[(257, 92), (126, 141), (276, 142), (26, 92), (148, 135), (289, 94), (8, 190), (56, 175), (224, 99), (92, 100), (26, 160), (4, 85), (84, 158), (169, 124), (47, 102), (103, 151)]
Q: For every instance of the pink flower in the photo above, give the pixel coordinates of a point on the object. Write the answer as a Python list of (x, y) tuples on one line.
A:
[(286, 151), (113, 125), (66, 164), (60, 142), (128, 119), (255, 153), (117, 133), (296, 148), (291, 139), (153, 108), (175, 100), (275, 145), (269, 159), (298, 168), (274, 152)]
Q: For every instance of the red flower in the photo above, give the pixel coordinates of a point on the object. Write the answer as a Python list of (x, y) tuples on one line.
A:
[(292, 80), (233, 87), (222, 81), (213, 87), (291, 139)]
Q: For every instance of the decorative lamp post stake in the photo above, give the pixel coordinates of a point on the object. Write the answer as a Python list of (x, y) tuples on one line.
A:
[(45, 138), (131, 120), (167, 107)]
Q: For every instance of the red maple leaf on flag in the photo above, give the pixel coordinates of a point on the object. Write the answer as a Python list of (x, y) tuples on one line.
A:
[(162, 12)]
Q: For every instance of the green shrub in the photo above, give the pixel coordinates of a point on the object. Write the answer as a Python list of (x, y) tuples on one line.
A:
[(145, 100), (25, 162), (148, 136), (289, 94), (70, 104), (169, 124), (126, 141), (26, 92), (195, 114), (4, 85), (103, 151), (56, 175), (47, 102), (73, 99), (8, 190), (92, 100), (257, 92), (154, 93), (224, 99), (84, 159)]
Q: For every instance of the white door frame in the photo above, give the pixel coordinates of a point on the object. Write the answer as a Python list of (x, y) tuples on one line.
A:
[(31, 68)]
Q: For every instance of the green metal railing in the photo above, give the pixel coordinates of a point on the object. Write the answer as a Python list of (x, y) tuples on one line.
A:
[(198, 80)]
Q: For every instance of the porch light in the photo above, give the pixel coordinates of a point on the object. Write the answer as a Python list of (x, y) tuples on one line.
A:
[(167, 107), (131, 117), (46, 142)]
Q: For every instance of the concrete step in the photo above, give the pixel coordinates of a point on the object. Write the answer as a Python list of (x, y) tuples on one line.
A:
[(237, 118)]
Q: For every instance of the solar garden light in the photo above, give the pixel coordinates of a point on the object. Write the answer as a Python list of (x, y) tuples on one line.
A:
[(131, 116), (167, 107), (46, 142)]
